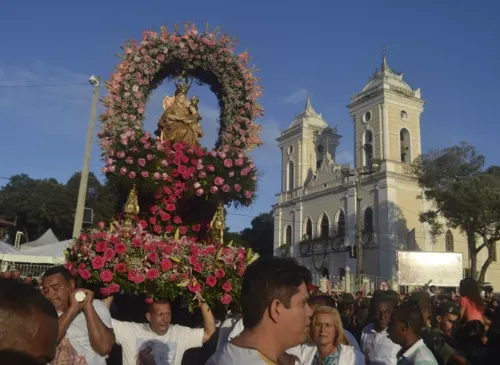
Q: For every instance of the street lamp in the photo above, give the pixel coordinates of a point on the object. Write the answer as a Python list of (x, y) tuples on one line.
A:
[(372, 167), (82, 192)]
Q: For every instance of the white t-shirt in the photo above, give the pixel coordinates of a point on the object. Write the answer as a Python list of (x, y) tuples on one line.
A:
[(418, 354), (225, 330), (377, 347), (78, 333), (230, 354), (138, 339)]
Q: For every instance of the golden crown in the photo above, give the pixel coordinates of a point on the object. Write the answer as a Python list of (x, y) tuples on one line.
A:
[(183, 85)]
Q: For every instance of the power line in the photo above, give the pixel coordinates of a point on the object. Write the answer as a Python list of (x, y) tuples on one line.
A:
[(41, 85)]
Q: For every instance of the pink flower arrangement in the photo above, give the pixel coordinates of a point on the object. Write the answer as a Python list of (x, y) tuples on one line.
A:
[(158, 267)]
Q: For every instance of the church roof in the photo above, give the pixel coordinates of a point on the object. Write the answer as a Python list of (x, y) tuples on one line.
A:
[(386, 75), (309, 116)]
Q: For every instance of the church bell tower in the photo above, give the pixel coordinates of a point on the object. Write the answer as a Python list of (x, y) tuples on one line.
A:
[(386, 117)]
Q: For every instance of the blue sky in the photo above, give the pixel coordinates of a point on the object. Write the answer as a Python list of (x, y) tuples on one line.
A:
[(449, 49)]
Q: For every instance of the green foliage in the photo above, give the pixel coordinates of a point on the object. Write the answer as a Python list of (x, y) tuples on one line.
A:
[(465, 194), (261, 235), (40, 204)]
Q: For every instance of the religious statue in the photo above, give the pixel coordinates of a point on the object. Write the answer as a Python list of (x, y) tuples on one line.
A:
[(180, 121), (131, 208), (218, 224)]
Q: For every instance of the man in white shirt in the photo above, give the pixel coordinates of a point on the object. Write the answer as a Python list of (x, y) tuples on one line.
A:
[(377, 347), (159, 342), (405, 329), (86, 324), (276, 313)]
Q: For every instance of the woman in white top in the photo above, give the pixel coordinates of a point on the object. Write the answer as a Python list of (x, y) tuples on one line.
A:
[(331, 346)]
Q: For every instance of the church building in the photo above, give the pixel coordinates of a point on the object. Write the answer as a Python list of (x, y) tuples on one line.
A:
[(316, 214)]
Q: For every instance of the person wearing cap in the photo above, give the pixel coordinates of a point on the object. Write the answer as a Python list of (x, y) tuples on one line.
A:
[(436, 338)]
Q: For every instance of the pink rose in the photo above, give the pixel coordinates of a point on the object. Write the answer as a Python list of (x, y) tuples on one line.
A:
[(141, 162), (100, 225), (237, 187), (194, 286), (149, 156), (231, 173), (196, 185), (157, 176), (248, 194), (218, 181), (98, 262), (214, 189), (152, 274), (109, 254), (120, 267), (106, 276), (114, 288), (165, 264), (120, 154), (210, 168), (228, 163), (211, 281), (219, 273), (131, 174), (198, 267), (84, 273), (226, 299), (222, 155), (199, 192), (177, 220), (238, 162), (225, 188), (227, 287), (145, 174), (123, 171)]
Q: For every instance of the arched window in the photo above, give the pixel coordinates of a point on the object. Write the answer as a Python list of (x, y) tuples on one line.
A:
[(325, 273), (368, 221), (405, 145), (309, 229), (341, 224), (367, 148), (325, 227), (288, 235), (448, 241), (291, 175), (318, 164)]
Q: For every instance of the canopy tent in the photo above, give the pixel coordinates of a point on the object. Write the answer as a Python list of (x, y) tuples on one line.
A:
[(6, 248), (46, 254), (46, 239)]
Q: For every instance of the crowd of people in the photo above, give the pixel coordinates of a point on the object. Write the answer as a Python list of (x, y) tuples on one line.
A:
[(282, 319)]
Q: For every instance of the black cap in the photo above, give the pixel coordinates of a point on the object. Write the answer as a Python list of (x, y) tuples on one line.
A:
[(448, 307)]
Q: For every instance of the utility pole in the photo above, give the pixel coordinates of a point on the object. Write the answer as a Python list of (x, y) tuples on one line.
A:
[(82, 192)]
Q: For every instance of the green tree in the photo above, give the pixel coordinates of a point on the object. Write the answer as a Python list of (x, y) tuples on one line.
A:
[(261, 234), (466, 195)]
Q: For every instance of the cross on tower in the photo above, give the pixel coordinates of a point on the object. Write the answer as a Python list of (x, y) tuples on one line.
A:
[(384, 51)]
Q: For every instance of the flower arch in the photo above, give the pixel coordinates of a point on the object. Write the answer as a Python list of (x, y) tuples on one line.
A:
[(208, 57)]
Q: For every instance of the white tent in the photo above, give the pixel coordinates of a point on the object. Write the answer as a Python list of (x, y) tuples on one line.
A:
[(46, 254), (6, 248), (46, 239)]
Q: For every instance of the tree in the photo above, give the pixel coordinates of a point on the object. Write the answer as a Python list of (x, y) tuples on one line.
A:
[(466, 195), (261, 235), (40, 204)]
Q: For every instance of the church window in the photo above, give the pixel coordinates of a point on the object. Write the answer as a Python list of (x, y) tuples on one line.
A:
[(368, 221), (367, 148), (341, 224), (309, 229), (318, 164), (290, 149), (325, 227), (366, 117), (288, 235), (448, 240), (405, 145), (404, 115), (320, 148), (291, 175)]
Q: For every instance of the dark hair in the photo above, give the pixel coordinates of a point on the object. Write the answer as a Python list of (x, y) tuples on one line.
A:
[(421, 299), (18, 302), (470, 288), (410, 314), (9, 357), (359, 292), (323, 300), (150, 306), (268, 279), (54, 270)]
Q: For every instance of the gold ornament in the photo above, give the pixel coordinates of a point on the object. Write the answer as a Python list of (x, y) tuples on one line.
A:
[(131, 208), (218, 224)]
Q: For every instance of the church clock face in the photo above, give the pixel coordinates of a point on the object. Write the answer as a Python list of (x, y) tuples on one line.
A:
[(366, 117)]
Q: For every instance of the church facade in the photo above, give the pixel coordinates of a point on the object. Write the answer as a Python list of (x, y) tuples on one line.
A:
[(321, 203)]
